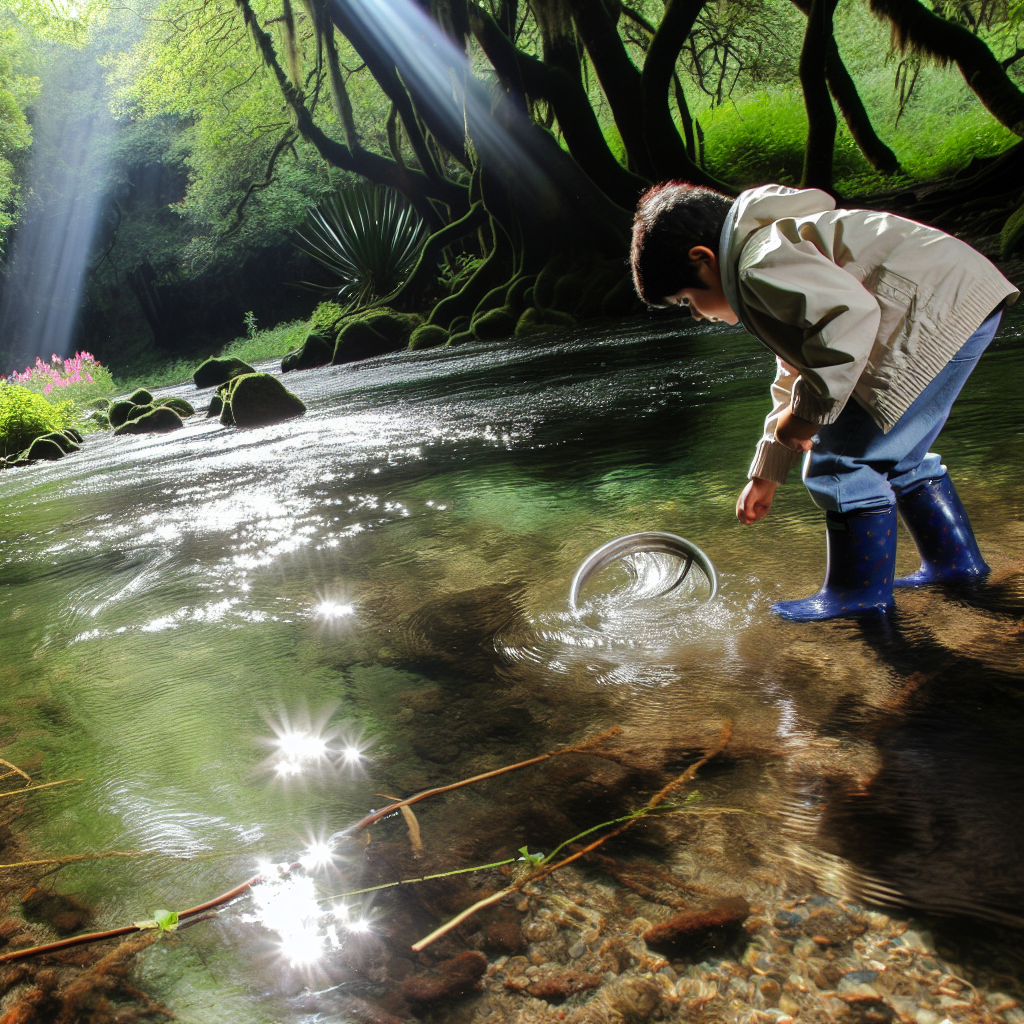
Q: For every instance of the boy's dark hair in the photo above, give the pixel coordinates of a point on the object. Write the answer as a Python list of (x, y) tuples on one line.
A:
[(671, 218)]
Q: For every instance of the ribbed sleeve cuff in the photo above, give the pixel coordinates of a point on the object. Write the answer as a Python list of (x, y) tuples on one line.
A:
[(813, 408), (772, 461)]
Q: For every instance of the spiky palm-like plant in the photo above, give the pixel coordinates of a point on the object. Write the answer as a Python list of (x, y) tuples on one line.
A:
[(368, 236)]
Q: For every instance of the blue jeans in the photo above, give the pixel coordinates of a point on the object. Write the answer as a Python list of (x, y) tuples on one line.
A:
[(855, 467)]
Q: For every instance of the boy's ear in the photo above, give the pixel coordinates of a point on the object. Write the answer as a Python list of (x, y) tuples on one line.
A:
[(702, 254)]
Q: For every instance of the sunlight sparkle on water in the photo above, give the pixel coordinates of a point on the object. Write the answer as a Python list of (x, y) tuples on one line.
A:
[(330, 610), (287, 905), (318, 855)]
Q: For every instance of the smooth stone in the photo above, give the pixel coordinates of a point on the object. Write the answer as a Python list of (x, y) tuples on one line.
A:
[(179, 405), (120, 413), (43, 448), (141, 397), (158, 420), (258, 399)]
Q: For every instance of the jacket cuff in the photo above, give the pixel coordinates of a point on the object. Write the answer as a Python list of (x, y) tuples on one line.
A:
[(772, 461), (812, 407)]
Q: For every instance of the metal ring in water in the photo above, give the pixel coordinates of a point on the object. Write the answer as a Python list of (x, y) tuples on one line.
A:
[(653, 542)]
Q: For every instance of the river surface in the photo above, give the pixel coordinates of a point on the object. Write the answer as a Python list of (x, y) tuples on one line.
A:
[(238, 640)]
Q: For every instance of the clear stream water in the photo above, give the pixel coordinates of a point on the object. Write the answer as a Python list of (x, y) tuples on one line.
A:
[(389, 573)]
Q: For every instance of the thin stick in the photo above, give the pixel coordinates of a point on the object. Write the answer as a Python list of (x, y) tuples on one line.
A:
[(74, 858), (375, 816), (651, 804), (16, 770), (412, 881), (44, 785)]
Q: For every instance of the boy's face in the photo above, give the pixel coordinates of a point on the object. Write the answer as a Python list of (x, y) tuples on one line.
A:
[(709, 302)]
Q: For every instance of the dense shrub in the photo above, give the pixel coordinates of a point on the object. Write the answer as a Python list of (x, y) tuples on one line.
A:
[(25, 415)]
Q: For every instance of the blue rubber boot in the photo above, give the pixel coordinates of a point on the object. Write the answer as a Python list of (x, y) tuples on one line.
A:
[(858, 577), (936, 519)]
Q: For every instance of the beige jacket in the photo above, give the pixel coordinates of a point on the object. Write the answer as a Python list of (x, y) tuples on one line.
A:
[(854, 303)]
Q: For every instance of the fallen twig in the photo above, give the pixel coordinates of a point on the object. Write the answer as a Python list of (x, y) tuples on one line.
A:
[(74, 858), (43, 785)]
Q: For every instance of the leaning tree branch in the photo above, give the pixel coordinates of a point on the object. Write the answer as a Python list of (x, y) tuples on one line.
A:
[(917, 29), (416, 185), (257, 186)]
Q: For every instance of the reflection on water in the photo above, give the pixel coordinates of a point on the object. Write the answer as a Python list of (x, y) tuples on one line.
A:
[(241, 640)]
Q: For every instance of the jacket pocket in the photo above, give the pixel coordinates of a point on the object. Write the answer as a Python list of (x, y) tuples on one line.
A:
[(896, 338)]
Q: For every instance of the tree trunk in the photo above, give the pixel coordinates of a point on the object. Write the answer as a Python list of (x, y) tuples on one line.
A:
[(916, 28), (844, 91), (821, 117), (666, 149)]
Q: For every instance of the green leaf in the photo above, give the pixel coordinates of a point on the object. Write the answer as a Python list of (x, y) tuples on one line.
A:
[(533, 859), (166, 920)]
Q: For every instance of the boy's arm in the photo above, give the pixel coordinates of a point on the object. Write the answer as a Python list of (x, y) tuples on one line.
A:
[(773, 460), (834, 316)]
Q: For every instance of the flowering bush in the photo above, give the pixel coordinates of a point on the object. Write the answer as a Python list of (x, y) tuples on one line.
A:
[(80, 378), (25, 415)]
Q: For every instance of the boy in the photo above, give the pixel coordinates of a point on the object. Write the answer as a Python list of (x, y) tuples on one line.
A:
[(876, 322)]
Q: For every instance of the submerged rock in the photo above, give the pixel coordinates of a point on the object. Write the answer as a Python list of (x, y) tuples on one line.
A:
[(427, 336), (451, 978), (64, 913), (154, 419), (727, 913), (316, 350), (215, 407), (258, 399), (218, 370)]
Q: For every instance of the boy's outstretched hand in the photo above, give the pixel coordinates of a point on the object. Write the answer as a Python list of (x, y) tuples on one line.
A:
[(755, 500)]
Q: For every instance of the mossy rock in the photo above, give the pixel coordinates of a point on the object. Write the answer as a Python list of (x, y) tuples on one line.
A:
[(72, 434), (494, 299), (358, 340), (537, 321), (258, 399), (218, 370), (224, 414), (428, 336), (120, 413), (1011, 238), (179, 405), (396, 327), (459, 325), (62, 439), (156, 419), (497, 323), (102, 404), (462, 338), (216, 404), (141, 397), (44, 447), (316, 350), (326, 319)]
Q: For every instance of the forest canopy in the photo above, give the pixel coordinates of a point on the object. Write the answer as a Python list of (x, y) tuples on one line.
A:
[(522, 133)]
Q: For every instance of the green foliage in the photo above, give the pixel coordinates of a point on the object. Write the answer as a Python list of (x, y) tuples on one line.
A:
[(369, 237), (269, 344), (16, 92), (25, 416), (456, 272), (166, 920)]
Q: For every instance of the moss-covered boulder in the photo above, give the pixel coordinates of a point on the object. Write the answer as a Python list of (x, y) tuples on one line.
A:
[(215, 407), (64, 440), (515, 297), (141, 397), (316, 350), (152, 419), (537, 321), (258, 399), (358, 340), (462, 338), (396, 327), (496, 323), (218, 370), (100, 404), (120, 413), (46, 447), (73, 435), (428, 336), (179, 405)]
